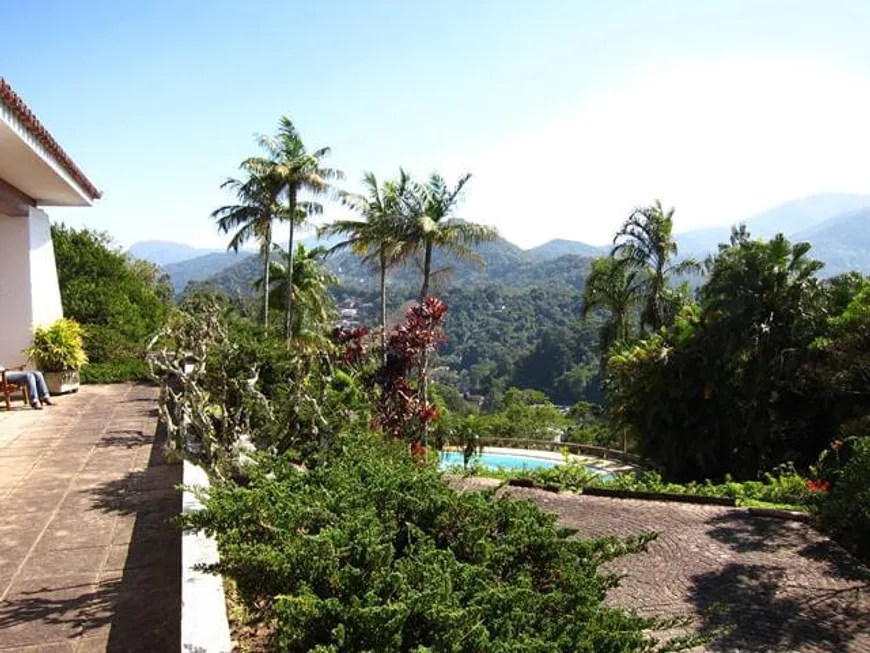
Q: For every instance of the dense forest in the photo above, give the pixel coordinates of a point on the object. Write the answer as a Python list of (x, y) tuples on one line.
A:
[(514, 316)]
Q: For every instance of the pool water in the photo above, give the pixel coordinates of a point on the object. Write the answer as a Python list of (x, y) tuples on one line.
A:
[(498, 461)]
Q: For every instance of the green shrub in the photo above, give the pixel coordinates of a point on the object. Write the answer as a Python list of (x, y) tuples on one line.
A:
[(118, 372), (789, 490), (366, 551), (120, 301), (58, 347), (845, 508)]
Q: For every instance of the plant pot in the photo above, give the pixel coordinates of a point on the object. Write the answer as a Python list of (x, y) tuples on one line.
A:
[(60, 383)]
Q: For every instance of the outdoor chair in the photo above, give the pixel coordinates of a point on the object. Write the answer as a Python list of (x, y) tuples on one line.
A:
[(7, 390)]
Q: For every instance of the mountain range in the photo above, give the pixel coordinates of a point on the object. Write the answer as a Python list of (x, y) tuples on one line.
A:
[(837, 225), (797, 219)]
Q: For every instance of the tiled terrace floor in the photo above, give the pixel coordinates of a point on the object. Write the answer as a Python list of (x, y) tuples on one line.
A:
[(88, 561), (773, 585)]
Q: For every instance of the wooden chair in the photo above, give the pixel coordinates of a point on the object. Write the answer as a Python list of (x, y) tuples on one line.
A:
[(7, 390)]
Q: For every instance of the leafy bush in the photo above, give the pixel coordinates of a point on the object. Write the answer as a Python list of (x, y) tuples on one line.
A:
[(788, 489), (228, 387), (404, 410), (116, 372), (845, 509), (58, 347), (719, 390), (120, 301), (367, 551)]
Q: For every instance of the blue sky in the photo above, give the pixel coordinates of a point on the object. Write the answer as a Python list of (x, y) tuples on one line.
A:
[(567, 113)]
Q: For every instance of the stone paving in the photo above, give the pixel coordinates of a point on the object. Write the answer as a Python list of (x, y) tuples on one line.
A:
[(88, 561), (779, 585)]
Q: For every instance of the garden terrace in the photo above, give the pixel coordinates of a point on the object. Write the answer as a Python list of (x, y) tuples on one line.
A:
[(779, 585), (88, 561)]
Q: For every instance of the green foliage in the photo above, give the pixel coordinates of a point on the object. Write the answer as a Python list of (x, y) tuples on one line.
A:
[(120, 302), (524, 414), (366, 551), (529, 338), (228, 388), (115, 372), (845, 509), (314, 307), (58, 347), (296, 170), (614, 288), (646, 247), (788, 489), (253, 216), (721, 389)]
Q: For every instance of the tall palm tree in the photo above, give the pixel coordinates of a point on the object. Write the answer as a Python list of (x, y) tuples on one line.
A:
[(300, 171), (311, 282), (614, 287), (377, 238), (646, 241), (252, 217), (430, 223)]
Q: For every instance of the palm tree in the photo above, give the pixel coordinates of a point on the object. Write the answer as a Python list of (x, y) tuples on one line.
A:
[(614, 287), (430, 224), (646, 242), (252, 217), (311, 283), (300, 171), (377, 238)]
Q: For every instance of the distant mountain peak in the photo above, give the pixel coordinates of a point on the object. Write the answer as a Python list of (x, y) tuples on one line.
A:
[(562, 247), (164, 252)]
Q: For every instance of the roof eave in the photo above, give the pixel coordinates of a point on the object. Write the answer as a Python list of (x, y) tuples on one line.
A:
[(21, 119)]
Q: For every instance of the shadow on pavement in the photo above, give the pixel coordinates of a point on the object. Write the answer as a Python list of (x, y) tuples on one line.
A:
[(147, 595)]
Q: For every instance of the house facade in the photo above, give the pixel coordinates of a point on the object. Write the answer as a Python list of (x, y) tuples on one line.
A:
[(35, 172)]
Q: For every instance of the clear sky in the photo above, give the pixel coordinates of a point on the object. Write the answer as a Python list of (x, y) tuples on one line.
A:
[(567, 113)]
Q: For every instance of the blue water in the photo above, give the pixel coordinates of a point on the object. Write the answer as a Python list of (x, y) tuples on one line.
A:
[(498, 461)]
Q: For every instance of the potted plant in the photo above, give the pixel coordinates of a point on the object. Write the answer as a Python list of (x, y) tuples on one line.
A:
[(58, 351)]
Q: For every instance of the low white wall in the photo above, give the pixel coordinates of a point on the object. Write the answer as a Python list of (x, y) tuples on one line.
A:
[(204, 624)]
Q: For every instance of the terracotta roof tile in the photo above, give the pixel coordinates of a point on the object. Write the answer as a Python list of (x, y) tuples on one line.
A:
[(20, 110)]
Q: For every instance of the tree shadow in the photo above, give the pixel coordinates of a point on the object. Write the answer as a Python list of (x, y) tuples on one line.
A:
[(758, 612), (83, 607), (124, 439), (838, 562), (746, 533), (146, 605), (818, 600)]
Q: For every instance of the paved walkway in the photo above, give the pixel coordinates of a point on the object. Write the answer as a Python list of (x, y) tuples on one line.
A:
[(779, 585), (87, 559)]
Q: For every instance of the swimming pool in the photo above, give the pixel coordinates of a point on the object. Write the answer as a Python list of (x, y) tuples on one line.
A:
[(499, 460)]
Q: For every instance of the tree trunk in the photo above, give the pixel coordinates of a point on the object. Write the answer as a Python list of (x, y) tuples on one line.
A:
[(288, 306), (424, 359), (427, 269), (267, 252), (383, 262)]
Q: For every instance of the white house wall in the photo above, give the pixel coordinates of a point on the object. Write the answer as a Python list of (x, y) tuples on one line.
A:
[(45, 292), (29, 293)]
